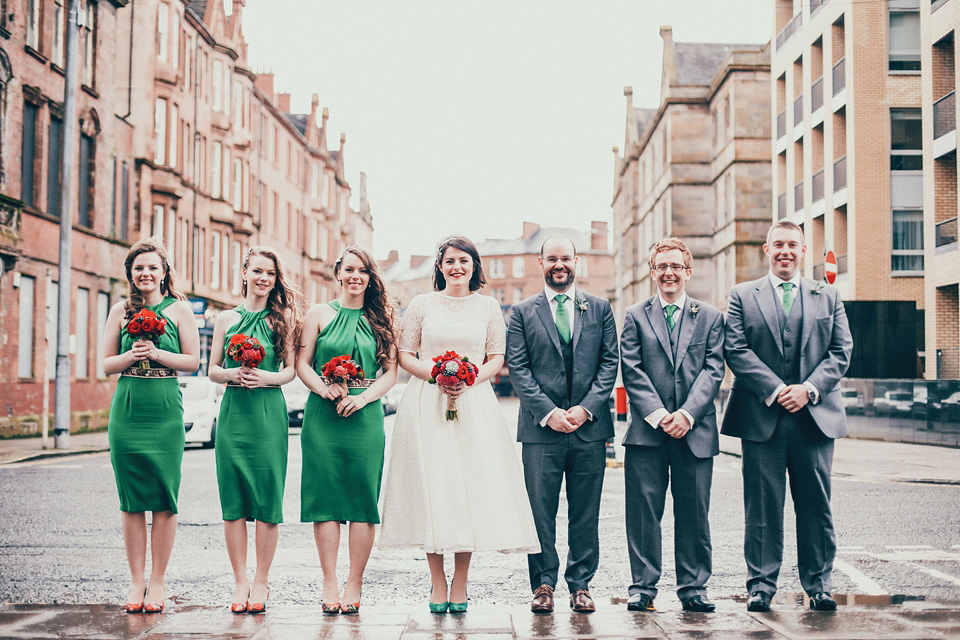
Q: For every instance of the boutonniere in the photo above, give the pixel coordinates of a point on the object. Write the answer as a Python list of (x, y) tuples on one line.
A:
[(817, 288), (582, 306), (694, 310)]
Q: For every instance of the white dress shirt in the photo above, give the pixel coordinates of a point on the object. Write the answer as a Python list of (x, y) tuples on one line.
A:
[(776, 281), (654, 418)]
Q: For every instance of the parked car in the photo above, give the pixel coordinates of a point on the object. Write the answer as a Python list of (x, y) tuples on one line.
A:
[(894, 403), (950, 407), (296, 394), (391, 399), (852, 400), (201, 406)]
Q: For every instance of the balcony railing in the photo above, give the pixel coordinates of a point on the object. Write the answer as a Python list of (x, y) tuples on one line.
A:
[(840, 173), (816, 95), (789, 30), (945, 115), (946, 232), (816, 186), (841, 264), (798, 196), (839, 76), (781, 124), (782, 206), (798, 110)]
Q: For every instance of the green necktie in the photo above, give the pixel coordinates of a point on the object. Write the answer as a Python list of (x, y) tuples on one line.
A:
[(563, 319), (787, 297), (669, 310)]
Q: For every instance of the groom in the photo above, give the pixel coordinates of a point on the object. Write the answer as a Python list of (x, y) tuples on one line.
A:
[(562, 356)]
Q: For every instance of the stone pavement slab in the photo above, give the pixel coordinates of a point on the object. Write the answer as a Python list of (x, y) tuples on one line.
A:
[(911, 620)]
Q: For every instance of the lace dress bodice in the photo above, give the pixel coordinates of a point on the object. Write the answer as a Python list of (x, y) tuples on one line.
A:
[(472, 326)]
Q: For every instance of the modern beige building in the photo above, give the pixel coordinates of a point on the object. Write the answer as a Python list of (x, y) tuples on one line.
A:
[(849, 160), (697, 167), (939, 21)]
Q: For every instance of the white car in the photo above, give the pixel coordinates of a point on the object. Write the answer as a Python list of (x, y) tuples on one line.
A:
[(201, 406), (295, 393)]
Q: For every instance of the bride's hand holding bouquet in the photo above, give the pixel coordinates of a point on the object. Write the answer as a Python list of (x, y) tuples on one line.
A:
[(452, 373)]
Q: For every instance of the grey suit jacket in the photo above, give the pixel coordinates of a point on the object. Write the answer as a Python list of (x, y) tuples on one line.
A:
[(538, 374), (753, 345), (653, 380)]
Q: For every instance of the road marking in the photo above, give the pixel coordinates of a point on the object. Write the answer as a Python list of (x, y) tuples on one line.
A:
[(935, 573), (919, 555), (848, 548), (908, 546), (106, 466), (956, 546), (65, 466), (865, 584)]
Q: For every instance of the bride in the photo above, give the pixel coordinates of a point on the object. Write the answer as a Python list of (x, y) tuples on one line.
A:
[(454, 486)]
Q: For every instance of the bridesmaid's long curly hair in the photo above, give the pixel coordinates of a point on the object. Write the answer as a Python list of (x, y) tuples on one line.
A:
[(377, 307), (167, 283), (283, 299)]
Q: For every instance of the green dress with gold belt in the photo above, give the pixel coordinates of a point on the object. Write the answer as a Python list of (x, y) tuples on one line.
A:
[(146, 431), (342, 457), (251, 446)]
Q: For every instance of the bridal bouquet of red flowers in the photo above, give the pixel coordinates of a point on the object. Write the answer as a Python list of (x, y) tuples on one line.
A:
[(146, 325), (246, 350), (449, 370), (341, 370)]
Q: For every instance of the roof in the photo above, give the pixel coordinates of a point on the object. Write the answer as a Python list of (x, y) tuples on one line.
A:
[(698, 62), (199, 7), (521, 246), (401, 271), (298, 120)]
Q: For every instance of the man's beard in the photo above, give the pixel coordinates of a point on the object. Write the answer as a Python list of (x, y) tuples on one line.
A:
[(554, 284)]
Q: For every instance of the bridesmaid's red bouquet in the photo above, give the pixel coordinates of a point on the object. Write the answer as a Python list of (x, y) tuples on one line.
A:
[(341, 370), (146, 325), (246, 350), (449, 370)]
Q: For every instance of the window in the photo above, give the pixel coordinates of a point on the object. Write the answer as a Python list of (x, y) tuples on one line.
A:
[(158, 214), (172, 237), (28, 154), (103, 309), (235, 271), (57, 56), (53, 166), (90, 45), (237, 184), (314, 180), (217, 169), (160, 132), (237, 105), (163, 11), (906, 140), (908, 240), (497, 268), (517, 295), (33, 24), (582, 267), (50, 327), (197, 161), (343, 208), (121, 205), (217, 85), (325, 194), (324, 243), (175, 46), (174, 135), (313, 249), (25, 328), (88, 165), (518, 267), (246, 187), (215, 260), (82, 310), (904, 35)]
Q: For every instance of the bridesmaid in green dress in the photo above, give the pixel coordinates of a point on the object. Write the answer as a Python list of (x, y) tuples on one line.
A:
[(252, 437), (146, 416), (342, 437)]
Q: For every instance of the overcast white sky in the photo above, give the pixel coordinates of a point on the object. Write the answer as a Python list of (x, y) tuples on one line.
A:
[(472, 116)]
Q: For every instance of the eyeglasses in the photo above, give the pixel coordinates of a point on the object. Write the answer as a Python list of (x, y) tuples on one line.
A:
[(662, 268)]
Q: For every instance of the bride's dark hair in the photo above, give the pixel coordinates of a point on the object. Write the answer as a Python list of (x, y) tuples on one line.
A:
[(377, 307), (463, 243)]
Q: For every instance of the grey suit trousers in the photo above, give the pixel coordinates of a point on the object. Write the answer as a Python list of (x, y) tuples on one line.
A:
[(798, 449), (647, 470), (544, 468)]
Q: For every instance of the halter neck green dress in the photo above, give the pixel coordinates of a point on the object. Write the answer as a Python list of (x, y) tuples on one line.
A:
[(251, 445), (342, 457), (146, 431)]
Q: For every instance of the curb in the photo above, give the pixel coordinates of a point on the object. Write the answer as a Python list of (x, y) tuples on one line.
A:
[(43, 455)]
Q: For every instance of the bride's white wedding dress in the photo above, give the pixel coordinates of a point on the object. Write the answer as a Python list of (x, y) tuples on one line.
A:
[(454, 485)]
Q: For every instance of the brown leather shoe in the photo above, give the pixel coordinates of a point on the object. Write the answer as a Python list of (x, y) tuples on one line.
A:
[(581, 602), (542, 599)]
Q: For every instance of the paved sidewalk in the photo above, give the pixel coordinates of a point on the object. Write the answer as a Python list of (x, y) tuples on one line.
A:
[(913, 620), (23, 449)]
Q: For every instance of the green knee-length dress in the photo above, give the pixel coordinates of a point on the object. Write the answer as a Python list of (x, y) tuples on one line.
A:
[(146, 431), (251, 447), (342, 457)]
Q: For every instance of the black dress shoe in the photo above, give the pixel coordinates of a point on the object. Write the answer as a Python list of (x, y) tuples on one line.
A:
[(643, 603), (822, 601), (700, 604), (759, 602)]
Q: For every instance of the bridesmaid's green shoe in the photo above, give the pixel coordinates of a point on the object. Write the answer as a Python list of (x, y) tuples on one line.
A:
[(440, 607), (458, 607)]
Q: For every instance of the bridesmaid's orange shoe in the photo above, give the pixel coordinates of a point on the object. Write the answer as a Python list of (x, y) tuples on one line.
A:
[(258, 607), (135, 607)]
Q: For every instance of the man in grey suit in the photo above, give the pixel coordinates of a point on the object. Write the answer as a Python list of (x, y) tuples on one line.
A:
[(562, 357), (788, 343), (671, 353)]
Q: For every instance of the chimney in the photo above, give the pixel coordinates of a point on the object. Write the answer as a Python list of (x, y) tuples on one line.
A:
[(598, 235), (264, 82), (530, 228), (283, 102), (416, 261), (668, 75), (392, 258)]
